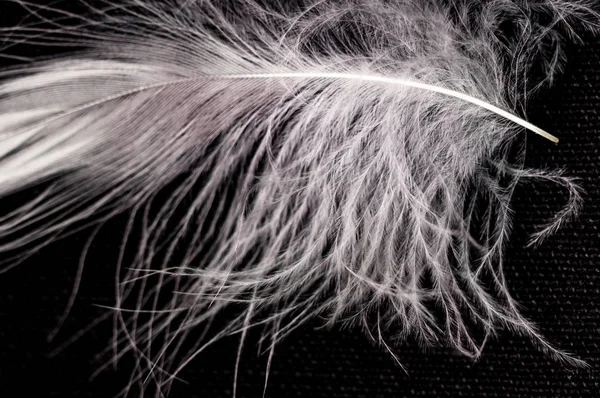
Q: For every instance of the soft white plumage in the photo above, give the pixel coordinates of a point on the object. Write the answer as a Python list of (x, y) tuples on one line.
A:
[(310, 167)]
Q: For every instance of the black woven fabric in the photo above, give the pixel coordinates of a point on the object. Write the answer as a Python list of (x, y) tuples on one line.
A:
[(558, 285)]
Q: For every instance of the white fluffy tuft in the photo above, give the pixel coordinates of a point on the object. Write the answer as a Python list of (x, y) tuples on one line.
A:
[(324, 158)]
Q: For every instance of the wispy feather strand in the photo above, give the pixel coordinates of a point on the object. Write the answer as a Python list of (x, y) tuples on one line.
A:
[(303, 177)]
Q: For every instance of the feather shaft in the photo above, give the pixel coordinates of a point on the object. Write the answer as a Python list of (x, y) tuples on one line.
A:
[(401, 82)]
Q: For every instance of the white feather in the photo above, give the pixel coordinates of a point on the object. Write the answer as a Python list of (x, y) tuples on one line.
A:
[(347, 159)]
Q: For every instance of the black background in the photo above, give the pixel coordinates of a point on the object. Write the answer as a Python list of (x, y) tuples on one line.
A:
[(558, 285)]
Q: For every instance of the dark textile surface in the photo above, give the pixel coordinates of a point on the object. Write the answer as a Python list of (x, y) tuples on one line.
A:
[(558, 285)]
